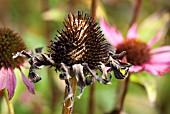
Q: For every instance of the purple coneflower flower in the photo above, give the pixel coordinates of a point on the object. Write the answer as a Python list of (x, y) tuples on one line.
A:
[(11, 43), (139, 53)]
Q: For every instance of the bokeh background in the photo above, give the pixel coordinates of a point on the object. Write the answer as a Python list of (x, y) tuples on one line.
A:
[(37, 21)]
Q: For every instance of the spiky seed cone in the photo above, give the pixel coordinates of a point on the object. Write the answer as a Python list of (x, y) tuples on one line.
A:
[(10, 42), (81, 41)]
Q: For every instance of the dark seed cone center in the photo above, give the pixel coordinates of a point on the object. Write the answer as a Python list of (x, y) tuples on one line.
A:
[(10, 42), (80, 41), (137, 52)]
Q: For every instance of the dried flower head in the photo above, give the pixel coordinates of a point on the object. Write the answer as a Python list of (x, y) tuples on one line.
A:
[(11, 42), (80, 49)]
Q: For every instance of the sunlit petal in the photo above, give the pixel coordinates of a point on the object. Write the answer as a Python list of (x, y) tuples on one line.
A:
[(161, 58), (132, 32), (113, 36), (156, 69), (135, 68), (160, 49)]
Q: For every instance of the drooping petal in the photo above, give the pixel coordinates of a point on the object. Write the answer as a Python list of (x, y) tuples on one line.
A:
[(11, 84), (160, 49), (163, 58), (155, 39), (135, 68), (156, 69), (27, 82), (3, 77), (132, 32), (113, 36)]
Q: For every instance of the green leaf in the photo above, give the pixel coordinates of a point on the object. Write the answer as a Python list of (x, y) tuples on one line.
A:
[(154, 24), (149, 83)]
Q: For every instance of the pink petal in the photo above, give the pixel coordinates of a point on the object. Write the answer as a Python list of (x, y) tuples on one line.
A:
[(113, 36), (11, 84), (161, 58), (155, 39), (156, 69), (3, 78), (27, 82), (132, 32), (135, 68), (160, 49)]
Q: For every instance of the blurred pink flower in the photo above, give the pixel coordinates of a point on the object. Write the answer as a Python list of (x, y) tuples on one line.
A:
[(11, 43), (139, 53)]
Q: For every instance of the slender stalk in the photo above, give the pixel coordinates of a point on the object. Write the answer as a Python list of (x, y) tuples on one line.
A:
[(92, 99), (136, 12), (124, 93), (92, 87), (5, 13), (72, 5), (66, 106), (121, 94), (9, 103), (94, 8)]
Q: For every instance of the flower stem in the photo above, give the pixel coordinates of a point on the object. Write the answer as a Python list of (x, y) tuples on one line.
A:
[(92, 87), (91, 99), (124, 93), (72, 5), (136, 12), (123, 87), (9, 103), (94, 8), (66, 108)]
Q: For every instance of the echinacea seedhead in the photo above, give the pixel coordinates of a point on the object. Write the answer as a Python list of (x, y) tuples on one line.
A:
[(81, 41), (79, 50)]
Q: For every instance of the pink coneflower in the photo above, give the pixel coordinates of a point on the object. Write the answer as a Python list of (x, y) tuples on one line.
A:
[(11, 43), (139, 53)]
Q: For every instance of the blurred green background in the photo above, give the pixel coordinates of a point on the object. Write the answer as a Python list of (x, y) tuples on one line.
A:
[(37, 22)]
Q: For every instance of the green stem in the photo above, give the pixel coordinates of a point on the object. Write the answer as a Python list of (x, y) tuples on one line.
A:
[(66, 108), (9, 103)]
